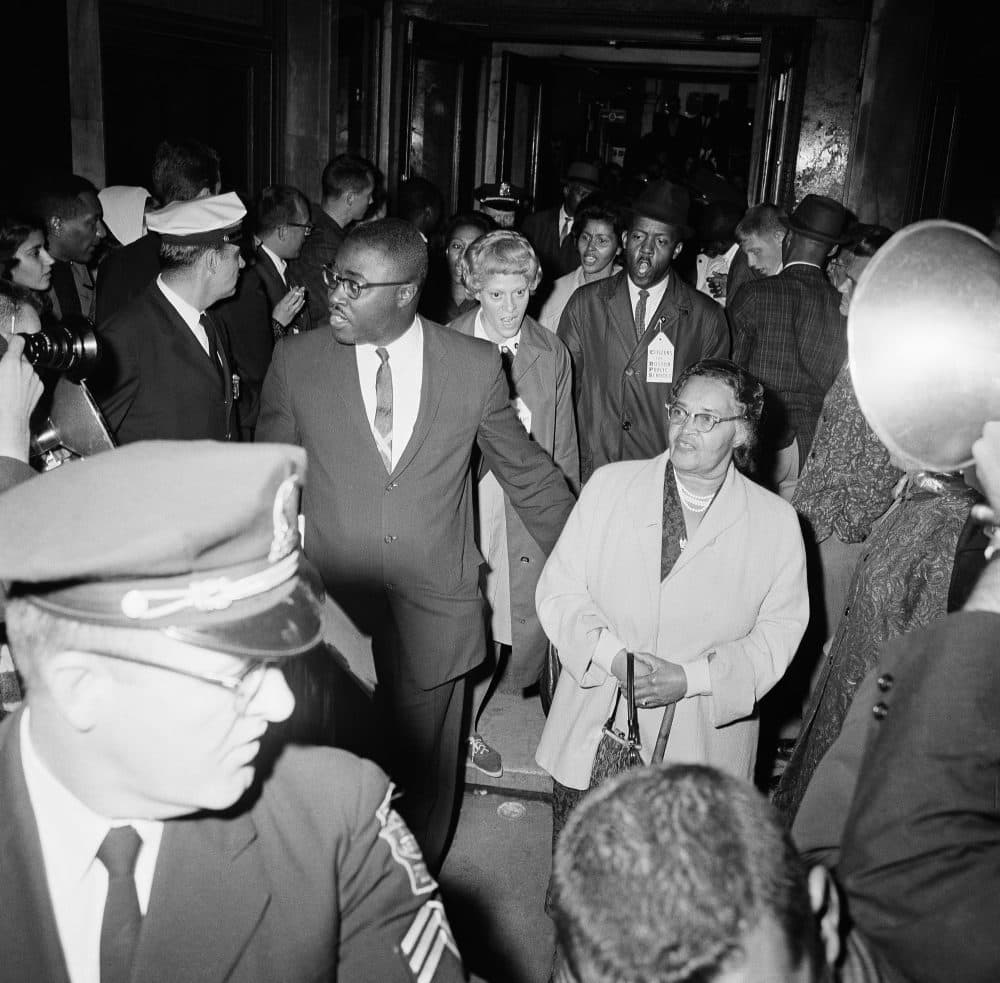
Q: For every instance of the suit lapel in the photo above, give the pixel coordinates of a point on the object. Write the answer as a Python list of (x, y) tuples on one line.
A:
[(344, 381), (30, 949), (528, 352), (184, 341), (620, 316), (729, 507), (274, 286), (647, 508), (433, 385), (209, 895)]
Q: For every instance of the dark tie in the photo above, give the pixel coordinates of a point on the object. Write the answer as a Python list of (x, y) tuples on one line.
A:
[(567, 227), (213, 347), (640, 314), (383, 409), (507, 358), (122, 916)]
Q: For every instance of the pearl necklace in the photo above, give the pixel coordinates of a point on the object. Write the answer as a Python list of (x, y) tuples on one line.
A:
[(693, 503)]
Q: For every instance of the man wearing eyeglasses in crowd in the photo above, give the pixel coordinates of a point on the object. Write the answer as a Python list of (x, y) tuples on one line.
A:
[(391, 408), (139, 839), (269, 303)]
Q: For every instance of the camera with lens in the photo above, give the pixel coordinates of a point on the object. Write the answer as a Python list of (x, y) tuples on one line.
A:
[(65, 346)]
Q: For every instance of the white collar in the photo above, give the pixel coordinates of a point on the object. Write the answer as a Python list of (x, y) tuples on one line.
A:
[(801, 262), (190, 315), (409, 345), (279, 263), (480, 332), (70, 832)]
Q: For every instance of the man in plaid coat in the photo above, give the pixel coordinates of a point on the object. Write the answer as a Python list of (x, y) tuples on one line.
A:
[(789, 332)]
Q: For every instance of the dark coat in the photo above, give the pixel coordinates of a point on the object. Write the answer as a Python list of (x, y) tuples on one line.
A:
[(405, 543), (542, 230), (247, 319), (920, 857), (302, 884), (543, 377), (125, 273), (156, 381), (620, 416), (319, 250)]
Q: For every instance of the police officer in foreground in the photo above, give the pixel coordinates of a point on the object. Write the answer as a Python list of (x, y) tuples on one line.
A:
[(137, 840)]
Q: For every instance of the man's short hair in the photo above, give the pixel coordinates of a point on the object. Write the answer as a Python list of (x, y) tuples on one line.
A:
[(277, 205), (58, 197), (396, 239), (662, 873), (179, 257), (761, 220), (183, 169), (347, 172)]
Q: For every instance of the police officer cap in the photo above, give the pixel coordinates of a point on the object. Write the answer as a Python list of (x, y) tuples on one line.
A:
[(196, 539), (202, 221), (502, 196)]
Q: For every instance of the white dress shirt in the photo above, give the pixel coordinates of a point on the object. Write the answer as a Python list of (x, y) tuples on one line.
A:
[(655, 292), (70, 835), (406, 360), (189, 315), (707, 266), (279, 264), (564, 217)]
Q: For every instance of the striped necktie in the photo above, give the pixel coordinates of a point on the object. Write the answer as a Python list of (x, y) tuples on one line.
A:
[(383, 409)]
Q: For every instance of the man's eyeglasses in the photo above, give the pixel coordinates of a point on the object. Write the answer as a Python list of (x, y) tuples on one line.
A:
[(353, 288), (244, 686), (307, 226), (700, 422)]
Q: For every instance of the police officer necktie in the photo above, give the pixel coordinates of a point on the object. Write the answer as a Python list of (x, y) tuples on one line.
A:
[(640, 314), (213, 348), (383, 409), (122, 915)]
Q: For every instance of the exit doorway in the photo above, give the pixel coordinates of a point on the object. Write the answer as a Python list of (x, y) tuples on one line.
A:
[(477, 108)]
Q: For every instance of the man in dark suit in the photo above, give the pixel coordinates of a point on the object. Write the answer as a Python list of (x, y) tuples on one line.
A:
[(390, 408), (631, 335), (70, 212), (550, 231), (348, 183), (139, 839), (166, 370), (789, 332), (268, 304), (182, 171)]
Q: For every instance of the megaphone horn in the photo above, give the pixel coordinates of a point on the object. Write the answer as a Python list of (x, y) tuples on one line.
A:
[(923, 333)]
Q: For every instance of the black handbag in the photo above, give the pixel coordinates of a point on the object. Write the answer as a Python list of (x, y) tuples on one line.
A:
[(617, 752)]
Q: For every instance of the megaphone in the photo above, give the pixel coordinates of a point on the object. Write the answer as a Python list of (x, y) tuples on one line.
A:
[(923, 335)]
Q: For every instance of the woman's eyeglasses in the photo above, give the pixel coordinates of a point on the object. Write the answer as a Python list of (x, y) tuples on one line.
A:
[(701, 422)]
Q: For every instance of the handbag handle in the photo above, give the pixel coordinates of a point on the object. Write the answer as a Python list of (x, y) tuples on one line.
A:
[(633, 714)]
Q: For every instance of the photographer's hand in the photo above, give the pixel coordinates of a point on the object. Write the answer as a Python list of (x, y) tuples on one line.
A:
[(20, 390)]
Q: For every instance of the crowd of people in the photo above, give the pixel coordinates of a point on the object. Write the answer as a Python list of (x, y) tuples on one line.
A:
[(615, 453)]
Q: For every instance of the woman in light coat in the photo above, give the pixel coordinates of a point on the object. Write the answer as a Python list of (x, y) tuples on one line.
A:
[(712, 629)]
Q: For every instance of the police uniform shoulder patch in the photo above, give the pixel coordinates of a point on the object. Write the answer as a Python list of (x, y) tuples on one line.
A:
[(403, 846), (426, 941)]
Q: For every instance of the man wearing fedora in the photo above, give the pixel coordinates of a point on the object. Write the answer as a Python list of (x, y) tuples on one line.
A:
[(550, 231), (632, 334), (789, 332)]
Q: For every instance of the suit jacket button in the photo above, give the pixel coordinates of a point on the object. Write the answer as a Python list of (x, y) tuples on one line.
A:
[(390, 539), (880, 711), (626, 425), (885, 682), (526, 559), (390, 587)]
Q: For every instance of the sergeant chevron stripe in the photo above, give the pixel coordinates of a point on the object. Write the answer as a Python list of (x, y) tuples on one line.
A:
[(426, 940)]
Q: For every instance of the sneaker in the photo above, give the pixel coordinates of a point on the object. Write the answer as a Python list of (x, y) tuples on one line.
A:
[(484, 758)]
